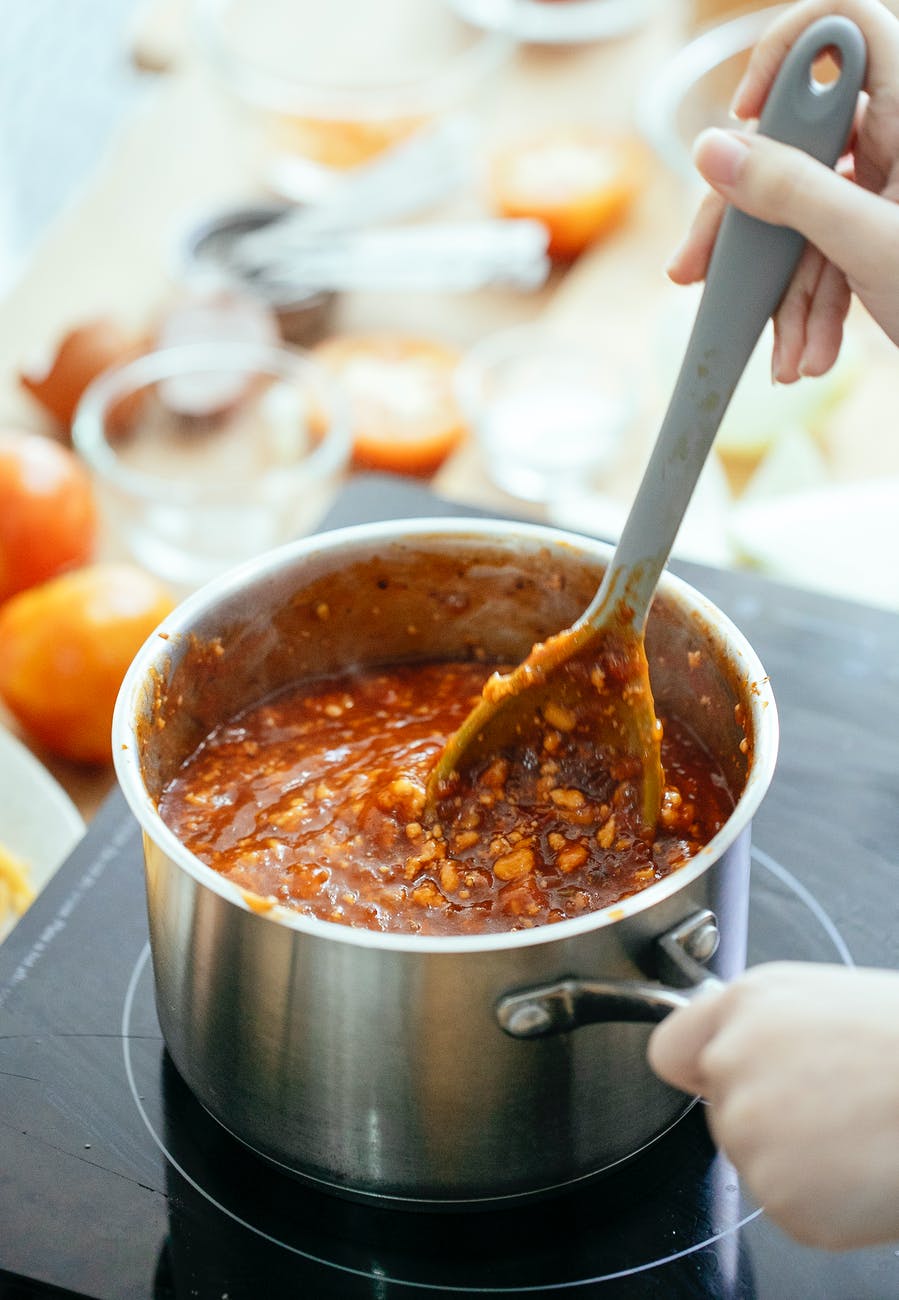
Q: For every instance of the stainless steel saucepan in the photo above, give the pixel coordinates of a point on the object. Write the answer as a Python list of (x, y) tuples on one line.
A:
[(435, 1070)]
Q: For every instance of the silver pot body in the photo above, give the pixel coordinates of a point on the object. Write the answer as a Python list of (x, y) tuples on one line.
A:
[(381, 1065)]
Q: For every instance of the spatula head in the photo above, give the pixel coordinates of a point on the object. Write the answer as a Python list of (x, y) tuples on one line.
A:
[(578, 694)]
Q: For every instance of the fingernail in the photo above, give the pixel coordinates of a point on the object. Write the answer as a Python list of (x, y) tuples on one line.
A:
[(671, 264), (775, 363), (720, 156), (737, 96)]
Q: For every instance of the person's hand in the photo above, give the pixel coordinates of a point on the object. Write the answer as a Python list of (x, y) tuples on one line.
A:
[(800, 1066), (849, 216)]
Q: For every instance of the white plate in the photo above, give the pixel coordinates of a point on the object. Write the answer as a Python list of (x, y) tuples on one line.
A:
[(39, 824), (566, 23), (841, 539)]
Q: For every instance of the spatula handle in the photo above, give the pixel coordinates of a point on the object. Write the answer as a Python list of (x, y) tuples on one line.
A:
[(751, 266)]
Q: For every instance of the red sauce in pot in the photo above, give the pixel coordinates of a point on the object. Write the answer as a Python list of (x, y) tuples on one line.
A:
[(314, 798)]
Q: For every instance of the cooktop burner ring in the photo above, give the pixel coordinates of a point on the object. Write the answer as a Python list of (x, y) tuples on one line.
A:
[(140, 971)]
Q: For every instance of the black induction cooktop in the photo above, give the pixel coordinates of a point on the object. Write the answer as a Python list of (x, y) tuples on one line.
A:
[(114, 1183)]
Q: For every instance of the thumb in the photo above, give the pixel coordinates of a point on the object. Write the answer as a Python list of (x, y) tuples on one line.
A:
[(852, 227), (676, 1044)]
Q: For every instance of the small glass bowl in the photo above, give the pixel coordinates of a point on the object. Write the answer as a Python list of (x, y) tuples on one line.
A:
[(207, 454), (693, 89), (547, 410), (335, 86)]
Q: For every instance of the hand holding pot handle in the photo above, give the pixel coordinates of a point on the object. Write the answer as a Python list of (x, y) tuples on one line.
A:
[(800, 1065)]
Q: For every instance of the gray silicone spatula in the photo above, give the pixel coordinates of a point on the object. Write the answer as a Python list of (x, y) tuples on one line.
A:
[(751, 265)]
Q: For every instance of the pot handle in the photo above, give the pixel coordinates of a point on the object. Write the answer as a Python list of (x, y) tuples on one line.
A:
[(569, 1003)]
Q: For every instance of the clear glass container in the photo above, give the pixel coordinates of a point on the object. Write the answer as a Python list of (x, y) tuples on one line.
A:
[(207, 454), (694, 88), (547, 410), (335, 86)]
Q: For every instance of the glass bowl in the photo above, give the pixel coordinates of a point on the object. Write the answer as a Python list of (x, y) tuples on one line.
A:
[(335, 86), (206, 454), (693, 89), (547, 410)]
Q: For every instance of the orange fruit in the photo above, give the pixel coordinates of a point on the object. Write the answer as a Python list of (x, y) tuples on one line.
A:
[(400, 389), (48, 516), (64, 648), (579, 182)]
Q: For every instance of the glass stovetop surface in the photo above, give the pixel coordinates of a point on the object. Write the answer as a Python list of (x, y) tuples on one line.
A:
[(115, 1183)]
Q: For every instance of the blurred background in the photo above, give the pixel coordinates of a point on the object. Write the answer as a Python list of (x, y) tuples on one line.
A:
[(64, 89), (459, 211)]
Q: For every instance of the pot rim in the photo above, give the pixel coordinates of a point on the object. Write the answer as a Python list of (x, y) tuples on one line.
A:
[(181, 620)]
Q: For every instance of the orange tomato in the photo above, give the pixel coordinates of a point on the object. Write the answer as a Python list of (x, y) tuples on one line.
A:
[(48, 516), (403, 410), (579, 182), (64, 649)]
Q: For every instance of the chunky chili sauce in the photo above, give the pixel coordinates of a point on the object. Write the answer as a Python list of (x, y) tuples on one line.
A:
[(315, 799)]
